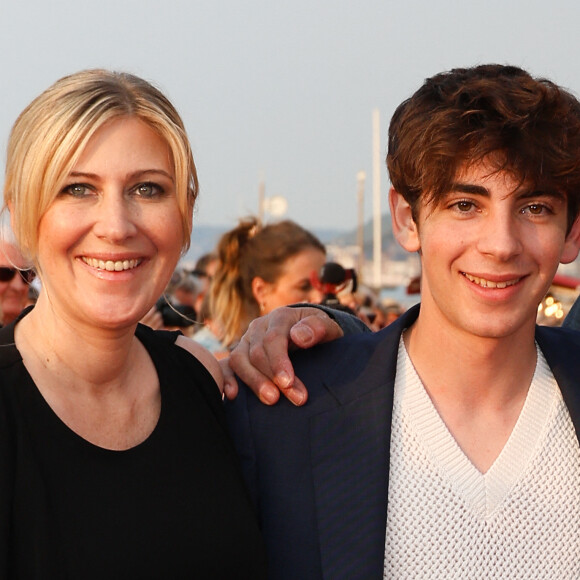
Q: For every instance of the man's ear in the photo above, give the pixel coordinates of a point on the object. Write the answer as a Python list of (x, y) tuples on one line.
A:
[(404, 226), (572, 244)]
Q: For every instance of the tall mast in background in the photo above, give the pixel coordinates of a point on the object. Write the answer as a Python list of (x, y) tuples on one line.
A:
[(377, 233)]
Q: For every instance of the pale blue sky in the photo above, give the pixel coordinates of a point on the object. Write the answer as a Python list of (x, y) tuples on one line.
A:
[(283, 89)]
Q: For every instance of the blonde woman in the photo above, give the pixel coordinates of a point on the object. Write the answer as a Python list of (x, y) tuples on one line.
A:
[(114, 461)]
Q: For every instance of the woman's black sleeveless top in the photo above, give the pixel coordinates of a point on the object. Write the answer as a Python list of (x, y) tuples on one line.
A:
[(172, 507)]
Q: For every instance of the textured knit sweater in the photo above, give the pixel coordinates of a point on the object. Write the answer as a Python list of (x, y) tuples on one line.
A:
[(521, 519)]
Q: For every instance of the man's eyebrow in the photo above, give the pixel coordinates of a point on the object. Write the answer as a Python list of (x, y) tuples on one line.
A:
[(472, 188), (530, 193), (522, 192)]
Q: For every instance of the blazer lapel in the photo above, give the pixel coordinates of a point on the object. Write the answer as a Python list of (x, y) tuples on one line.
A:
[(561, 347), (350, 449), (350, 457)]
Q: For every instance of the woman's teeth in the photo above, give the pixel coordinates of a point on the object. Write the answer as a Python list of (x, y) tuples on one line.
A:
[(111, 265)]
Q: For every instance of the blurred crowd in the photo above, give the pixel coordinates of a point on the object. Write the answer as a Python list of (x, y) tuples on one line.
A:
[(254, 269)]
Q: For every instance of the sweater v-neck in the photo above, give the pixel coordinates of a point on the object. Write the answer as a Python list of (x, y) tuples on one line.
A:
[(484, 492)]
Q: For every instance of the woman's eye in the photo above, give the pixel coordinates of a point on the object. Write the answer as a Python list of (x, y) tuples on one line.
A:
[(148, 190), (76, 189)]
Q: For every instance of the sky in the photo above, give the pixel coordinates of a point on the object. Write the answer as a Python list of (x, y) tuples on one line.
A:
[(281, 91)]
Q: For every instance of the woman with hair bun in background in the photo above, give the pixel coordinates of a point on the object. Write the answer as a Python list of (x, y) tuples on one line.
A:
[(261, 268)]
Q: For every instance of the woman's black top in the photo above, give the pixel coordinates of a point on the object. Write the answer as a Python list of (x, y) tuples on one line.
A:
[(172, 507)]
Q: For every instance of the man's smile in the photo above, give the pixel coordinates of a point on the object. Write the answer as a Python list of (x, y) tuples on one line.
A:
[(490, 283)]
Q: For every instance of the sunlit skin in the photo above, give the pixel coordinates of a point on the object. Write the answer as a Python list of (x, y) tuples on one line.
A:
[(108, 245), (488, 252), (112, 237), (294, 284), (14, 293)]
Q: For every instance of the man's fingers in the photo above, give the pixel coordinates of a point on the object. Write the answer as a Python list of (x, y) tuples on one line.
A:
[(270, 357), (314, 329), (230, 382), (296, 393), (257, 381), (261, 357)]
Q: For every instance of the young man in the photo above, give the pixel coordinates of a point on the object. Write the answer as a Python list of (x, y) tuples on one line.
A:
[(446, 445)]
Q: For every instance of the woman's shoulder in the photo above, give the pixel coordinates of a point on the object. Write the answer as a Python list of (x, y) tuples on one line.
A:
[(206, 358), (155, 339)]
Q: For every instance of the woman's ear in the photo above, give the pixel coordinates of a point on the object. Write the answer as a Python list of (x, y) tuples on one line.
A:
[(572, 244), (404, 226), (260, 289)]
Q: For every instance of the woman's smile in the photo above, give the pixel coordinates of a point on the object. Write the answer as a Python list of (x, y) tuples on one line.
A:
[(111, 265)]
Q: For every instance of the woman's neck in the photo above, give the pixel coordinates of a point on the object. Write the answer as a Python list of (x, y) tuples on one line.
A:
[(91, 355)]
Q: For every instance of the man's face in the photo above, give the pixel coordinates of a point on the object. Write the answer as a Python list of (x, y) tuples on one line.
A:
[(489, 252), (14, 292)]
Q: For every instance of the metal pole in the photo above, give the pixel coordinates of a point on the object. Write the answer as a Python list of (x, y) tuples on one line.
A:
[(377, 234), (360, 193), (261, 199)]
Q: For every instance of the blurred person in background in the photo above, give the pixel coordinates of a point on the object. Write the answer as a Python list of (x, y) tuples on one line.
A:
[(15, 279), (185, 291), (208, 331), (206, 266), (181, 301), (261, 268), (390, 311), (178, 307)]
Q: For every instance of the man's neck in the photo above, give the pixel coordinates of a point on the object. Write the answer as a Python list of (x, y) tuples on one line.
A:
[(477, 384)]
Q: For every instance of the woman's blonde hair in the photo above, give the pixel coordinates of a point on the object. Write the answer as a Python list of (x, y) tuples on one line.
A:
[(49, 136), (248, 251)]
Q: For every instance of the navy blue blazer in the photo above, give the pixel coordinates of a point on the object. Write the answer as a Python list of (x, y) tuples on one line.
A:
[(319, 474)]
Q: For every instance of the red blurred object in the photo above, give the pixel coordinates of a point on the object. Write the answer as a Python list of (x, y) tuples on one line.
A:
[(333, 278), (414, 286), (566, 281)]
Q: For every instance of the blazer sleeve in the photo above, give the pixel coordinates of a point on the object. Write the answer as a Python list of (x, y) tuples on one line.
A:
[(350, 324), (239, 423)]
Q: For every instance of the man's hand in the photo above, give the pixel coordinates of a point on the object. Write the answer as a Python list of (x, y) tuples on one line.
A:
[(261, 357)]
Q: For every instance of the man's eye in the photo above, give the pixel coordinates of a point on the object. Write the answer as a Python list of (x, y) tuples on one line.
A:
[(464, 205), (535, 208)]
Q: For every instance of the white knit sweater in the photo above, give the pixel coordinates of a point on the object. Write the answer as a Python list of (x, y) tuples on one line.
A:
[(521, 519)]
